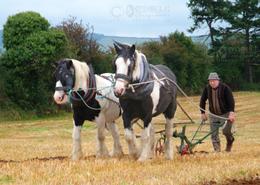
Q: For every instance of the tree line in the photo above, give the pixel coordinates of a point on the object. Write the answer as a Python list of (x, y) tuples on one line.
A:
[(238, 42), (32, 47)]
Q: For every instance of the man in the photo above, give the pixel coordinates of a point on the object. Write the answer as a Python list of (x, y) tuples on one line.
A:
[(221, 103)]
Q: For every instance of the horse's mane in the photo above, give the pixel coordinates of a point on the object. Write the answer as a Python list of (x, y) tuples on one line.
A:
[(140, 59), (81, 74)]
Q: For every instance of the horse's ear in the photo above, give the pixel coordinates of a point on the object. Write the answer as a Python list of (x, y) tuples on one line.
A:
[(117, 48), (55, 64), (69, 64), (132, 50), (88, 62)]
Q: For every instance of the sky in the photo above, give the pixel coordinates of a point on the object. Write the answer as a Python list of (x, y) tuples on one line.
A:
[(134, 18)]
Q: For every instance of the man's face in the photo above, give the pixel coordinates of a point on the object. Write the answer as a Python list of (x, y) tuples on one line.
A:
[(214, 83)]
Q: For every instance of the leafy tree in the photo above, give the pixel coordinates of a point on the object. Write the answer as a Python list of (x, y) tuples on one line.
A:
[(20, 26), (29, 79), (188, 61), (83, 46), (255, 60), (208, 12), (230, 60), (152, 51), (81, 42), (245, 19), (102, 62)]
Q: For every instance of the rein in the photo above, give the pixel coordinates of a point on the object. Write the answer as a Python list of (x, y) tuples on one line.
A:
[(91, 92), (85, 103), (133, 85)]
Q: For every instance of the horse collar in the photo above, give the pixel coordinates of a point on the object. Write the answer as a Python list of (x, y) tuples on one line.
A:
[(91, 84), (90, 92)]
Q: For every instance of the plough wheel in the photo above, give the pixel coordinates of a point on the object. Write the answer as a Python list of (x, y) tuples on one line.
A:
[(185, 150)]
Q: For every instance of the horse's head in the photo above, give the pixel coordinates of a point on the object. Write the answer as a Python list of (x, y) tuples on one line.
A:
[(64, 75), (124, 65)]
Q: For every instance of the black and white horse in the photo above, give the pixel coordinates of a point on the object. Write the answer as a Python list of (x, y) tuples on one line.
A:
[(75, 81), (142, 95)]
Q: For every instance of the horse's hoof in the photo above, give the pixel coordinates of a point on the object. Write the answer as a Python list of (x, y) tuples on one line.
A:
[(102, 155), (77, 157), (117, 154), (151, 155), (168, 157), (142, 159), (135, 155)]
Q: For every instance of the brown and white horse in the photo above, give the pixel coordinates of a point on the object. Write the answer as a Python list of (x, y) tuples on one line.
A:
[(92, 98)]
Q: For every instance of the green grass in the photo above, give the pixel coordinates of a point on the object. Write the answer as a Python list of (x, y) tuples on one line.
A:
[(36, 129), (6, 179), (15, 114)]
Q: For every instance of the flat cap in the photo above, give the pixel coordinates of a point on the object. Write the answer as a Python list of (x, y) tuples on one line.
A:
[(213, 76)]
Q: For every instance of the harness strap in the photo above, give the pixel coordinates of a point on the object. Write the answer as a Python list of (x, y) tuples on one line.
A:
[(107, 78), (66, 89), (110, 99), (156, 68), (123, 76)]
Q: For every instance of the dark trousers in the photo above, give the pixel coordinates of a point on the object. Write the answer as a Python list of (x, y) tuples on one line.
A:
[(214, 126)]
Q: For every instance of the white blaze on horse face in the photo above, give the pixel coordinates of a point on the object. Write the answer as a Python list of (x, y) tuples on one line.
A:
[(60, 97), (122, 68)]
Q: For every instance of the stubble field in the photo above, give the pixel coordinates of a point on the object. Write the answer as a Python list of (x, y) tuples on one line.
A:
[(38, 152)]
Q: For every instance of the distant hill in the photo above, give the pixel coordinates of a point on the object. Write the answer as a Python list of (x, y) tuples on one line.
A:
[(202, 39), (106, 41)]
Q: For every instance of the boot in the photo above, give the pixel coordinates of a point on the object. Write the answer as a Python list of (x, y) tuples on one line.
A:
[(230, 141), (216, 146)]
